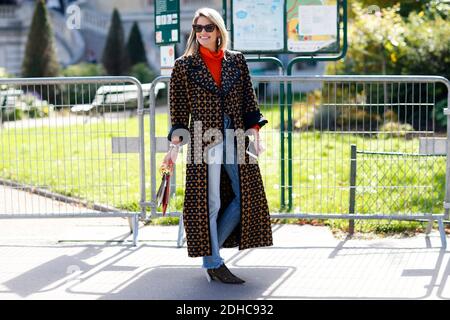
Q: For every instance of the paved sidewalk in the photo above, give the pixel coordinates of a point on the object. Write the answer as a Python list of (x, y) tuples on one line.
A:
[(94, 259)]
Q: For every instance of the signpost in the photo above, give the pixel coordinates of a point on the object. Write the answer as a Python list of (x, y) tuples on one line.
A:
[(167, 31), (167, 22), (305, 27), (310, 29), (167, 59)]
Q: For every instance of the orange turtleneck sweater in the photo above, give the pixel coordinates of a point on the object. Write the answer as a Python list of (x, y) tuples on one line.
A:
[(213, 61)]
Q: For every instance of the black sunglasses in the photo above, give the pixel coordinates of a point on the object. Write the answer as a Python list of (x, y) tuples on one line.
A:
[(208, 28)]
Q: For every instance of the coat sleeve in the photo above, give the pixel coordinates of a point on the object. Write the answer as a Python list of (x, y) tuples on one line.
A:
[(251, 112), (178, 100)]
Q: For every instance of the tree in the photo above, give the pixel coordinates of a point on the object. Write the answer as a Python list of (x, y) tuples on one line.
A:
[(376, 41), (405, 7), (135, 46), (387, 43), (8, 2), (40, 58), (428, 53), (115, 57)]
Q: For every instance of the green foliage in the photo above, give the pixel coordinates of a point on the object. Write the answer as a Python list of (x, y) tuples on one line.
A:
[(10, 114), (83, 94), (51, 142), (115, 57), (165, 221), (395, 129), (83, 70), (143, 73), (428, 53), (40, 110), (376, 41), (379, 227), (3, 73), (441, 118), (40, 56), (26, 106), (135, 46), (387, 43), (428, 49), (405, 7), (438, 7)]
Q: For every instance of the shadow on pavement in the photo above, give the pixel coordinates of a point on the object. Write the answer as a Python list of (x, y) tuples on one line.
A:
[(50, 273), (189, 283)]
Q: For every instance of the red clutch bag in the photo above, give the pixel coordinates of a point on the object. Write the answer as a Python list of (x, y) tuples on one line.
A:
[(163, 193)]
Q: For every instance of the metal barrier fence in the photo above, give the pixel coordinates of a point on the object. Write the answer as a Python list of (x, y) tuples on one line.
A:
[(72, 147), (337, 147), (317, 127)]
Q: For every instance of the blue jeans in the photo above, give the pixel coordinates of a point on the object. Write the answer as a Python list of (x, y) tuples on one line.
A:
[(221, 228)]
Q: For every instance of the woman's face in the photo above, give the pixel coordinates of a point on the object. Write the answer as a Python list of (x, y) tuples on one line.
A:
[(205, 38)]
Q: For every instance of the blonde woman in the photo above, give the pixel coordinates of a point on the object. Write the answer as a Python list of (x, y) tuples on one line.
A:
[(213, 110)]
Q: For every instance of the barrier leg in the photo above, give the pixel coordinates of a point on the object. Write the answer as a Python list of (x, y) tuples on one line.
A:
[(429, 227), (135, 229), (442, 233), (180, 239), (130, 223)]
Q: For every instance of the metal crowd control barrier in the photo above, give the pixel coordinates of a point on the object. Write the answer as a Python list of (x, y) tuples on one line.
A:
[(401, 173), (72, 148), (358, 147)]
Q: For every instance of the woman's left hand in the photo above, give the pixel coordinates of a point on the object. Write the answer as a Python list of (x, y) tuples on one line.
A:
[(259, 147)]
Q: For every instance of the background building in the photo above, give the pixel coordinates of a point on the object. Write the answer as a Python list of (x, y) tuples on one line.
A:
[(86, 43)]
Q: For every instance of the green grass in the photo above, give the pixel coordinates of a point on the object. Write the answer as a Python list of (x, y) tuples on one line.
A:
[(83, 166)]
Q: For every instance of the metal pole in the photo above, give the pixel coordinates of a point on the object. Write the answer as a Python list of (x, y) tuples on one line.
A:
[(447, 169), (153, 146), (281, 100), (351, 208), (140, 112), (289, 94), (224, 11), (282, 137), (289, 137)]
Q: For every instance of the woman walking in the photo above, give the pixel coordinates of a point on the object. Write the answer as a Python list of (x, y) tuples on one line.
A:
[(213, 109)]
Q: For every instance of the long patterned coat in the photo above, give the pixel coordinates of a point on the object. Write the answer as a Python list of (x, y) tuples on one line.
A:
[(195, 96)]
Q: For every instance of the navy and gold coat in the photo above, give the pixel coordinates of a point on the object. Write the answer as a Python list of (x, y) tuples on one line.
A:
[(194, 96)]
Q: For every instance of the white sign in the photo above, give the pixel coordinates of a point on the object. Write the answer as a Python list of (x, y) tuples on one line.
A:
[(317, 20), (174, 35), (308, 46), (317, 27), (258, 25), (167, 59)]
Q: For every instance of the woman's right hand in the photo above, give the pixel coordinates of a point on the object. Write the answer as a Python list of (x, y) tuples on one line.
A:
[(171, 156)]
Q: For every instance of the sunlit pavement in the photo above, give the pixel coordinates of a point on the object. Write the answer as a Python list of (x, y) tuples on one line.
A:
[(94, 259)]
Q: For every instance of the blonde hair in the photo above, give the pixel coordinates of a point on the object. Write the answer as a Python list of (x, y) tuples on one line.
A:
[(192, 45)]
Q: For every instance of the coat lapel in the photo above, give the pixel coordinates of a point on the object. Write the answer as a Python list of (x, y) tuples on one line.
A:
[(230, 73), (199, 73)]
